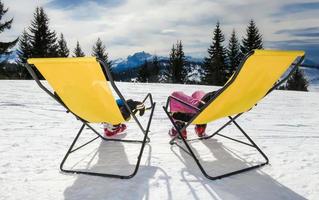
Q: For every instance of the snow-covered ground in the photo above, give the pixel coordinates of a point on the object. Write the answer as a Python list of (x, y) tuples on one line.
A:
[(35, 133)]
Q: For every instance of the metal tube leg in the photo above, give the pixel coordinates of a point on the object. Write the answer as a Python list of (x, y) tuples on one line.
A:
[(70, 148), (221, 128), (143, 143), (191, 153), (251, 141)]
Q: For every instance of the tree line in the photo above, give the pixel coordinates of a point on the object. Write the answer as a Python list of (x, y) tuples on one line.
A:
[(222, 61), (39, 41)]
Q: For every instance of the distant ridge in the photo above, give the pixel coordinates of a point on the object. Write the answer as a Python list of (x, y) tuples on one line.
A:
[(311, 68), (138, 58), (10, 58)]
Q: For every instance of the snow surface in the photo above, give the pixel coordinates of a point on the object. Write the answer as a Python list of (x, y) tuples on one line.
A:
[(35, 133)]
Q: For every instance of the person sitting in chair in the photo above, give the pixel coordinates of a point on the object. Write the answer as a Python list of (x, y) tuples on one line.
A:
[(183, 113), (135, 106)]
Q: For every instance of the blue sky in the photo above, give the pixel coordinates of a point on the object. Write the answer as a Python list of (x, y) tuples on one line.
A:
[(73, 3), (300, 7), (128, 26)]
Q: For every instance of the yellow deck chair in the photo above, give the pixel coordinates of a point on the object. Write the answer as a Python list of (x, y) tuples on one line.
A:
[(258, 75), (81, 86)]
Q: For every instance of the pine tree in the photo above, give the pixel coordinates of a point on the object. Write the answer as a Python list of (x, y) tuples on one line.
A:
[(99, 51), (63, 50), (215, 64), (297, 81), (155, 69), (78, 51), (43, 40), (171, 75), (5, 46), (6, 25), (177, 63), (24, 52), (143, 73), (180, 63), (233, 53), (253, 39)]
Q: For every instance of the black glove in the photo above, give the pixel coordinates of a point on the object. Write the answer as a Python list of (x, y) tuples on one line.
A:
[(141, 109), (185, 117), (136, 106)]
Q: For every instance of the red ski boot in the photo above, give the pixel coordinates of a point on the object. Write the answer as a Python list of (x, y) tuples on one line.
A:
[(111, 130), (200, 129), (173, 132)]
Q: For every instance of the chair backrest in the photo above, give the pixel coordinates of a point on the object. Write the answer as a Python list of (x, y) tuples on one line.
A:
[(250, 84), (82, 86)]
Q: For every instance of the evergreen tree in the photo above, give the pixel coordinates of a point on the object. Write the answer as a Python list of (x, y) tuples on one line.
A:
[(180, 63), (5, 46), (233, 53), (99, 51), (143, 73), (78, 51), (24, 52), (6, 25), (215, 64), (171, 75), (297, 81), (63, 50), (253, 39), (155, 69), (177, 63), (43, 40)]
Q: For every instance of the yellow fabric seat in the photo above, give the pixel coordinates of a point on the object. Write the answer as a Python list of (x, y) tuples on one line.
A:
[(249, 85), (82, 86), (257, 76)]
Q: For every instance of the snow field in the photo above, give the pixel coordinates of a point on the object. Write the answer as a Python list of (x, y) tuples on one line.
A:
[(35, 133)]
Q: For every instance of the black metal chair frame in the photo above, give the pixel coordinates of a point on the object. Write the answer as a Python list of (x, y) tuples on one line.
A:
[(251, 143), (145, 130)]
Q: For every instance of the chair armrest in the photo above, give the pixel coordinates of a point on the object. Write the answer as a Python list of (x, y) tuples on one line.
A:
[(179, 100), (148, 96)]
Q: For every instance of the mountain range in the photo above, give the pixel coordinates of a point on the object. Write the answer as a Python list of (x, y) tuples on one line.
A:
[(137, 59)]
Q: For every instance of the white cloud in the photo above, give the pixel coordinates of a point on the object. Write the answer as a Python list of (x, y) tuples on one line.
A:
[(154, 25)]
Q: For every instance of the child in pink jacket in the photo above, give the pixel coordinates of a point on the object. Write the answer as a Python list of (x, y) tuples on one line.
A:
[(182, 113)]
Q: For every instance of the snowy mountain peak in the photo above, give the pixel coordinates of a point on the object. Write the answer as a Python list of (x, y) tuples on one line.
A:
[(132, 61), (139, 56)]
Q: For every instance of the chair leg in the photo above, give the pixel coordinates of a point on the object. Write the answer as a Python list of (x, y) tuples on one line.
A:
[(143, 142), (251, 141), (70, 149), (189, 150), (145, 139)]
